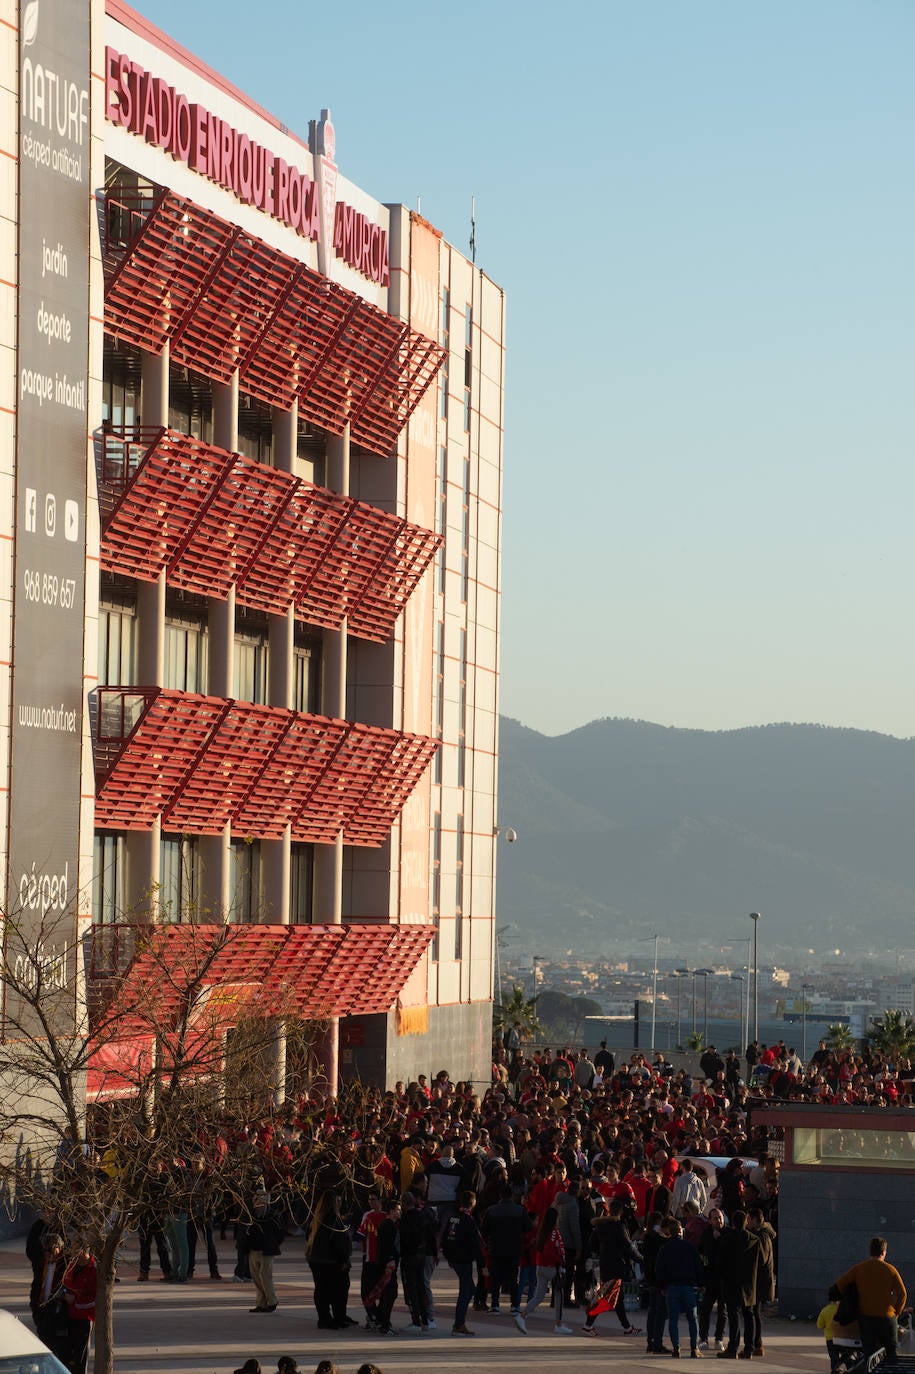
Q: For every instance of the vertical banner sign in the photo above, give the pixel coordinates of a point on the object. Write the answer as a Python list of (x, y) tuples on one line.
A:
[(50, 551)]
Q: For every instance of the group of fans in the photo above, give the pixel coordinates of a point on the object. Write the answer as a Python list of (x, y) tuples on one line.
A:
[(570, 1178)]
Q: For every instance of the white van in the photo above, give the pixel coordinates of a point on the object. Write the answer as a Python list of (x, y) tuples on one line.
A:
[(21, 1352)]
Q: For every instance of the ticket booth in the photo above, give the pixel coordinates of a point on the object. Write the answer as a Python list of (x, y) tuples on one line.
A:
[(846, 1174)]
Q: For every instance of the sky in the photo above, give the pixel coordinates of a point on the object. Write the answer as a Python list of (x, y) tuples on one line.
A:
[(703, 216)]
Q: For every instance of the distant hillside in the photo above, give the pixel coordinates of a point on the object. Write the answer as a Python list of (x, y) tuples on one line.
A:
[(623, 822)]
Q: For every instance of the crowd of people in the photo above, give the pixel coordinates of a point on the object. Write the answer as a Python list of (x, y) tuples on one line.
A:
[(557, 1188)]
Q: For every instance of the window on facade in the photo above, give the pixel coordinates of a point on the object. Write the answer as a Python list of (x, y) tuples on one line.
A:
[(465, 532), (184, 656), (116, 646), (446, 344), (305, 680), (179, 877), (439, 697), (462, 709), (441, 514), (459, 890), (301, 884), (435, 881), (190, 403), (120, 402), (108, 878), (244, 881), (850, 1148), (250, 675)]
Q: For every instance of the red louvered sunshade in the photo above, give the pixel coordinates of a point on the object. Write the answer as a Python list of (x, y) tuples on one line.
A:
[(200, 763), (146, 981), (224, 300), (307, 970), (210, 519)]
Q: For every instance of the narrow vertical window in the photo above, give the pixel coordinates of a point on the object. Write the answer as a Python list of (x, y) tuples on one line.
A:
[(459, 890)]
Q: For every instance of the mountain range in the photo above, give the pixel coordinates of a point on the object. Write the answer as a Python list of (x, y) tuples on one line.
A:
[(625, 827)]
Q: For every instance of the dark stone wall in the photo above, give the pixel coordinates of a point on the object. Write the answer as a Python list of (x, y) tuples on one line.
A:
[(826, 1218), (459, 1039)]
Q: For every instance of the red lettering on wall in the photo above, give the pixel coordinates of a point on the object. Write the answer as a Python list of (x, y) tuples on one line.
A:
[(199, 124), (214, 145), (152, 109), (281, 183), (183, 131), (164, 113), (361, 243)]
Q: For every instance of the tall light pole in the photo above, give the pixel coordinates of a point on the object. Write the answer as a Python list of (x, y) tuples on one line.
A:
[(754, 917), (535, 964), (680, 974), (703, 973), (805, 988), (739, 978), (654, 990)]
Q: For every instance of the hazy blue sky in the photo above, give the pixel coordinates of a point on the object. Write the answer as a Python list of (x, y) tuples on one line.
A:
[(703, 215)]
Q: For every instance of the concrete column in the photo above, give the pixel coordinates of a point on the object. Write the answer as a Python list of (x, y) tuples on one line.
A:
[(276, 854), (214, 849), (328, 895), (143, 848), (280, 679)]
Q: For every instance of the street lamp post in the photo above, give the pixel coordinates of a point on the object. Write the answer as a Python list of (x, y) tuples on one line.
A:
[(754, 917), (680, 974), (703, 973), (805, 988), (739, 978)]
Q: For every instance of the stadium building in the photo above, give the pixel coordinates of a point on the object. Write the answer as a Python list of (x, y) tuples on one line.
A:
[(251, 444)]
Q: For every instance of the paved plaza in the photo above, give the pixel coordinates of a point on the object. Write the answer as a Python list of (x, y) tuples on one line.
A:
[(205, 1326)]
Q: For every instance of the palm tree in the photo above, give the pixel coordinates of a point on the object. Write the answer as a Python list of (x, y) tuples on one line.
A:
[(695, 1041), (893, 1034), (517, 1007), (839, 1037)]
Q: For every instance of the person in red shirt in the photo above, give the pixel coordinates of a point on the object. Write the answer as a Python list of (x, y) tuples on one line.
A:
[(640, 1186), (368, 1229), (543, 1189), (80, 1287), (551, 1255)]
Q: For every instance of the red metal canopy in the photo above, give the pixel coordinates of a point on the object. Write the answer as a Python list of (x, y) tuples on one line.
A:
[(223, 299), (221, 974), (202, 762), (210, 519)]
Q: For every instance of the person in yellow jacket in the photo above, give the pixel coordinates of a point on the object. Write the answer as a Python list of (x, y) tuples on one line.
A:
[(825, 1323), (843, 1343), (881, 1299)]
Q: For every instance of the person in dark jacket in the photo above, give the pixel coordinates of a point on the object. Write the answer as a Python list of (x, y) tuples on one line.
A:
[(739, 1260), (417, 1239), (504, 1228), (657, 1233), (765, 1271), (679, 1273), (710, 1252), (329, 1252), (616, 1258), (462, 1247)]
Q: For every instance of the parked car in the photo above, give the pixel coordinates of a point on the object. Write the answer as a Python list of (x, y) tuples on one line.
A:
[(21, 1352)]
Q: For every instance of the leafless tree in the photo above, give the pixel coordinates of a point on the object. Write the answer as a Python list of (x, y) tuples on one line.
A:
[(179, 1058)]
